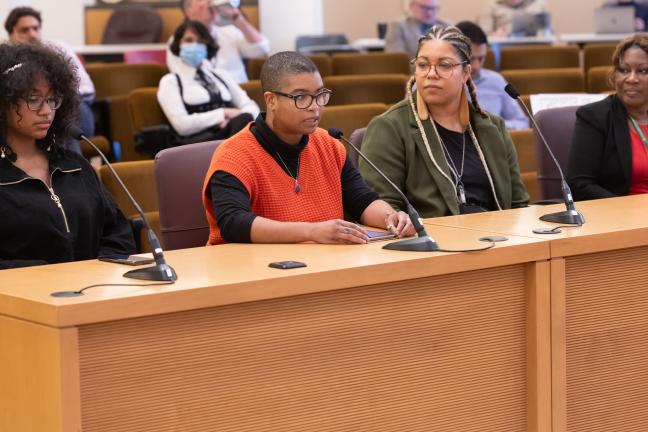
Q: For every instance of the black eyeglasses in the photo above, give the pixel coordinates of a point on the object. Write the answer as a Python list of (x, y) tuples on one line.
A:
[(35, 103), (305, 100)]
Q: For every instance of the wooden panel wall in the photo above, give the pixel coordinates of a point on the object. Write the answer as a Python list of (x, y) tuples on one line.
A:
[(435, 354), (606, 329)]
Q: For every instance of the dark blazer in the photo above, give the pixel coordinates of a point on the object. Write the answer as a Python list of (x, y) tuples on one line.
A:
[(600, 158)]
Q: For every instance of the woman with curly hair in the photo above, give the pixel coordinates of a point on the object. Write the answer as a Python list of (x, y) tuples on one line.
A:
[(52, 206), (447, 155)]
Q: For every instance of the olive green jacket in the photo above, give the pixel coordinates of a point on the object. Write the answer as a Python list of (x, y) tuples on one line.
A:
[(394, 143)]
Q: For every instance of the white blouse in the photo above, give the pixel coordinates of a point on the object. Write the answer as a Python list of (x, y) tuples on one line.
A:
[(194, 93)]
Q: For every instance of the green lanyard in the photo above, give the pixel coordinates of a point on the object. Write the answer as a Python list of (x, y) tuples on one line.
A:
[(637, 129)]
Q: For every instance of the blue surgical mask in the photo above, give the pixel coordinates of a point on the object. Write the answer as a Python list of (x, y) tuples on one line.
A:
[(193, 53)]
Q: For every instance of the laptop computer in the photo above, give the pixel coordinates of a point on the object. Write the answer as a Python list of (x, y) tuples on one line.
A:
[(618, 19)]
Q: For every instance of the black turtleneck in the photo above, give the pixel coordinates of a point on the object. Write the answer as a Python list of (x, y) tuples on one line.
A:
[(231, 199)]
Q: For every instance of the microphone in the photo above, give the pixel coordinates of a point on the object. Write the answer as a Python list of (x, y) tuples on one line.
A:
[(161, 271), (570, 216), (423, 243)]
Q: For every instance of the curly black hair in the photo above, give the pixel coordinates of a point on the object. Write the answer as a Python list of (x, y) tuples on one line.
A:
[(202, 32), (20, 67)]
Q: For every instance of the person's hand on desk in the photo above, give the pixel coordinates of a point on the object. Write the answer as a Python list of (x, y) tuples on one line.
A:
[(399, 224), (338, 231)]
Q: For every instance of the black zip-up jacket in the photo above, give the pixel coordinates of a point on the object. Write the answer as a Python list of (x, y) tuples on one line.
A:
[(75, 220)]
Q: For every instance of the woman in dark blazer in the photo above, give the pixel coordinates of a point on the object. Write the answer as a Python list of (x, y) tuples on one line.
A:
[(609, 152)]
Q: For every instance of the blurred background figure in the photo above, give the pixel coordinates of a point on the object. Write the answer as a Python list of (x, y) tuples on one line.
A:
[(24, 25), (403, 35), (490, 84), (236, 37), (514, 17), (201, 102), (640, 9)]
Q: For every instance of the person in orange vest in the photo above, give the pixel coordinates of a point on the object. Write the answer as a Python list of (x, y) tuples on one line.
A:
[(284, 180)]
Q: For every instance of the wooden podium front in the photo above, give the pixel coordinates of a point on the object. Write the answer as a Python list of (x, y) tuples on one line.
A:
[(362, 339), (599, 309)]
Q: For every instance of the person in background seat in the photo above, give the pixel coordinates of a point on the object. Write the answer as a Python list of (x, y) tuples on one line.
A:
[(201, 102)]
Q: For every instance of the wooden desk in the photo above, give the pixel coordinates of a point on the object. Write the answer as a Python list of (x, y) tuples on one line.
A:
[(362, 339), (599, 310)]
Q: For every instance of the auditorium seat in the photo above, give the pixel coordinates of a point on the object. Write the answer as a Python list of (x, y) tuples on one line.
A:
[(533, 81), (180, 174), (113, 82), (353, 89), (348, 118), (356, 138), (557, 125), (100, 141), (144, 109), (597, 55), (322, 61), (370, 63), (525, 147), (539, 57), (117, 79), (253, 67), (139, 178), (254, 91), (133, 25), (598, 79)]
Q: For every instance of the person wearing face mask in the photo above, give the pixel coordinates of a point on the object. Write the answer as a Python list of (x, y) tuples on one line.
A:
[(235, 35), (201, 103)]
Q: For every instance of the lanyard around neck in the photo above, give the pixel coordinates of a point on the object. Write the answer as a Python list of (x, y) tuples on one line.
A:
[(637, 129)]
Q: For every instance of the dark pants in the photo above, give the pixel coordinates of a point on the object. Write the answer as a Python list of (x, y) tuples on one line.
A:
[(234, 125)]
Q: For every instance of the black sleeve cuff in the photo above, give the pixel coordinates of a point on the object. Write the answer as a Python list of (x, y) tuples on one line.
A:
[(356, 194)]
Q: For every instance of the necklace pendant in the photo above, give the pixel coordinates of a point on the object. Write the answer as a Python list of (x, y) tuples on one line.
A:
[(461, 194), (297, 187)]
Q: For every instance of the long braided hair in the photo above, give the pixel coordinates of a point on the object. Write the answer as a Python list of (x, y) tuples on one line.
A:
[(462, 45)]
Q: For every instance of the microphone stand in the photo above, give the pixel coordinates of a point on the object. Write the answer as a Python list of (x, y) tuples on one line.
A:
[(161, 271), (422, 243), (570, 216)]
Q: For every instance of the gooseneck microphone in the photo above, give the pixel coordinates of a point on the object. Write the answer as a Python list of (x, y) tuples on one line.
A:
[(423, 243), (161, 271), (569, 216)]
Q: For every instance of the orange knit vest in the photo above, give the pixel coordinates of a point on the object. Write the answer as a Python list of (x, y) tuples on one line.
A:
[(272, 191)]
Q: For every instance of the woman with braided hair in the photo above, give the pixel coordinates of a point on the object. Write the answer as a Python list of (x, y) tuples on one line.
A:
[(445, 153)]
